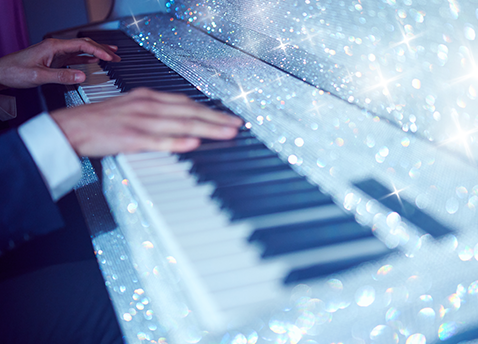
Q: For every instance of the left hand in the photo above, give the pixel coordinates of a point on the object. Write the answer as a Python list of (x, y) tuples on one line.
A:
[(42, 63)]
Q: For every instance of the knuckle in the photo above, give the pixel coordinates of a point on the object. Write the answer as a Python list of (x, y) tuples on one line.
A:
[(49, 42), (141, 91), (189, 126), (63, 76), (34, 76)]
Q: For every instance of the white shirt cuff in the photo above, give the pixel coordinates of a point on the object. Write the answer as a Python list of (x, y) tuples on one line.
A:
[(58, 163)]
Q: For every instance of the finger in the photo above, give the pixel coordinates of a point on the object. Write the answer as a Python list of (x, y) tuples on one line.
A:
[(183, 127), (113, 48), (182, 106), (60, 76), (203, 113), (88, 46), (81, 60), (158, 143), (165, 97)]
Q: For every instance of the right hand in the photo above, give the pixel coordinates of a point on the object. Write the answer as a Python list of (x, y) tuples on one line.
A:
[(143, 120)]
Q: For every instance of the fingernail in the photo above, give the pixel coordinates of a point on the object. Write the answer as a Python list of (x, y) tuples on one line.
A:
[(236, 120), (78, 77), (228, 131)]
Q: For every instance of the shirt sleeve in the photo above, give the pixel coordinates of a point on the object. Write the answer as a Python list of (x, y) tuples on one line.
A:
[(56, 160)]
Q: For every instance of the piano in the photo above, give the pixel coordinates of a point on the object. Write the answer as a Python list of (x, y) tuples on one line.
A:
[(345, 209)]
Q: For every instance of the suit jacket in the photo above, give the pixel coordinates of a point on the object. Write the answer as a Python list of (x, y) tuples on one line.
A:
[(26, 206)]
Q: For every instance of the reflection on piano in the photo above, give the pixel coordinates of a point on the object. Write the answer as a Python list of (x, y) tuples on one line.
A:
[(235, 242)]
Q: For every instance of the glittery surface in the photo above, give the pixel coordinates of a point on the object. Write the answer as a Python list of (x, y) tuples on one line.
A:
[(411, 62), (343, 91)]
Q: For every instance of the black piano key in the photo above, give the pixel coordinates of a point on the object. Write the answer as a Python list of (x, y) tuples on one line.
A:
[(147, 76), (119, 72), (232, 194), (272, 204), (116, 72), (467, 337), (126, 52), (406, 210), (129, 64), (240, 136), (166, 83), (226, 178), (230, 144), (287, 239), (325, 269), (139, 57), (233, 156), (235, 166), (219, 148), (252, 177)]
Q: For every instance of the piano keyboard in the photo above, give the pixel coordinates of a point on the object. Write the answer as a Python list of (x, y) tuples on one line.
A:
[(243, 223)]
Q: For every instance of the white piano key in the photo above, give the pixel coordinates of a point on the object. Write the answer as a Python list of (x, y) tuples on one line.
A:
[(244, 277), (171, 196), (161, 161), (203, 225), (97, 81), (210, 251), (226, 263), (180, 170), (146, 155), (193, 214), (248, 296), (169, 184), (162, 179), (185, 204), (212, 236)]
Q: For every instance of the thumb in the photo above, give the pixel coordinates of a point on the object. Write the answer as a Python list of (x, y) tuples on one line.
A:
[(61, 76)]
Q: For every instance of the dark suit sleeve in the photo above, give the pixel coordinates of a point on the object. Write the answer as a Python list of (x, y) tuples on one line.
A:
[(26, 206)]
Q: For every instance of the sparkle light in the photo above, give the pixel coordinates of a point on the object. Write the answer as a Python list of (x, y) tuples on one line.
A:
[(396, 193), (135, 21)]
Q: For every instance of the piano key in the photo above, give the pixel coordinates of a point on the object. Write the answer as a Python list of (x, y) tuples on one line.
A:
[(131, 69), (125, 64), (325, 269), (121, 80), (243, 277), (167, 85), (274, 204), (233, 262), (277, 241), (230, 193), (243, 297), (207, 168), (393, 201), (243, 176), (211, 236), (296, 217), (226, 156)]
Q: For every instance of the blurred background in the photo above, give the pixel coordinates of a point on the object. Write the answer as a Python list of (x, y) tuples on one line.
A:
[(25, 22)]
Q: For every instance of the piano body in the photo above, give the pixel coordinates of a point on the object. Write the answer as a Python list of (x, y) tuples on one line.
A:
[(345, 211)]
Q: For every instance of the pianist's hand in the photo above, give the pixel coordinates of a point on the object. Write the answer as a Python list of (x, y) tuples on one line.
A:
[(142, 120), (42, 63)]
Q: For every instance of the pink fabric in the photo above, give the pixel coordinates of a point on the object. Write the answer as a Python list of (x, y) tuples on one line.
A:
[(13, 29)]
